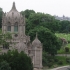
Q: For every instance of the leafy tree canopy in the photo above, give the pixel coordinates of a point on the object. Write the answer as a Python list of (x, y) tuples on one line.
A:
[(4, 66), (1, 13), (27, 13), (41, 19), (17, 60), (50, 42)]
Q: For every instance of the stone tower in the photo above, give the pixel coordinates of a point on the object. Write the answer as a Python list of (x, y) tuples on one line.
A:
[(14, 23), (37, 51)]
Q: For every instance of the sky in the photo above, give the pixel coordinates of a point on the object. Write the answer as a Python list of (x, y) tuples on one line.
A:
[(53, 7)]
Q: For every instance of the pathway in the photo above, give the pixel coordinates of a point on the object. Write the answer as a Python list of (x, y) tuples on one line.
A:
[(68, 55), (62, 68)]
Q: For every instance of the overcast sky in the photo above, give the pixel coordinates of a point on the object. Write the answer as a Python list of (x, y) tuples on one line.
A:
[(53, 7)]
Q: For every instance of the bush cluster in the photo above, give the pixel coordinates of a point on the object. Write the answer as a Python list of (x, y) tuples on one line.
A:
[(17, 60)]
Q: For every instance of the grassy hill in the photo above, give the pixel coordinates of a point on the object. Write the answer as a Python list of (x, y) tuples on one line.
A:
[(65, 36)]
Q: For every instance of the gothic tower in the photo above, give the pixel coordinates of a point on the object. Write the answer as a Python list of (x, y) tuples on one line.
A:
[(13, 22)]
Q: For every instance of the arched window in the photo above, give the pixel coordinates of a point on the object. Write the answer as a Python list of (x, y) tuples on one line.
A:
[(9, 26), (16, 27), (6, 46)]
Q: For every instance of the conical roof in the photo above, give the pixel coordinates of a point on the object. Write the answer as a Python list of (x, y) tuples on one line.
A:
[(13, 13), (36, 41)]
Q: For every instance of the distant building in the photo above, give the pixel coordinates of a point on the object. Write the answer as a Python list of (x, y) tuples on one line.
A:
[(62, 18), (14, 23)]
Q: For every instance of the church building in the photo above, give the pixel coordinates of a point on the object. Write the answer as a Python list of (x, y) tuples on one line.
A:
[(14, 23)]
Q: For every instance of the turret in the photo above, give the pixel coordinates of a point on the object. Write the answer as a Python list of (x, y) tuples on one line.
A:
[(36, 42), (37, 53)]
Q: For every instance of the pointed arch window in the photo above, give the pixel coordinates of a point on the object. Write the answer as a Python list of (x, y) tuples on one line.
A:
[(16, 27), (9, 26)]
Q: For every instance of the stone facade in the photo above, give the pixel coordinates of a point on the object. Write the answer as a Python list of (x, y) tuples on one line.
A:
[(14, 23)]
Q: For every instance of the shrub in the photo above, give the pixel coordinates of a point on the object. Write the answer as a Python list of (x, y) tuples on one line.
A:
[(56, 60), (68, 60), (66, 49), (4, 66), (51, 60), (50, 64), (17, 60), (60, 62)]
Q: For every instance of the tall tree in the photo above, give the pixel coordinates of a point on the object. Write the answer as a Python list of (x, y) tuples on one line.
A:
[(4, 66), (64, 26), (41, 19), (1, 13), (17, 60), (27, 13), (50, 42)]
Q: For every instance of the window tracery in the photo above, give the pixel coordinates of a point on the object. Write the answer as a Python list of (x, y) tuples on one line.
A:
[(16, 27), (9, 26)]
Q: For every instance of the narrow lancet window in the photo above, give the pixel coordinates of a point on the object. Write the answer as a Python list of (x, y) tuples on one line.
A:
[(9, 26), (16, 27)]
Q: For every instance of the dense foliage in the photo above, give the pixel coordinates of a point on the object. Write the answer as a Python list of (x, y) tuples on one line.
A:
[(4, 38), (4, 66), (40, 19), (1, 13), (17, 60), (50, 42), (53, 62)]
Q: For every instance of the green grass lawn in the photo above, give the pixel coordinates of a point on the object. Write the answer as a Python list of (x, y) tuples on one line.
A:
[(68, 45), (63, 35)]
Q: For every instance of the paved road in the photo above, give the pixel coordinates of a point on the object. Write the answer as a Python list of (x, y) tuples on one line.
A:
[(62, 68), (66, 68)]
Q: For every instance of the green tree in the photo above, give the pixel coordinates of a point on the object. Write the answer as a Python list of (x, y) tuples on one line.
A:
[(17, 60), (66, 50), (64, 26), (27, 13), (68, 28), (50, 42), (4, 38), (1, 13), (4, 66), (41, 19)]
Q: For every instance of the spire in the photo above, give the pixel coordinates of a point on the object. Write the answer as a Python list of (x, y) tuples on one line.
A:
[(13, 7), (36, 35)]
